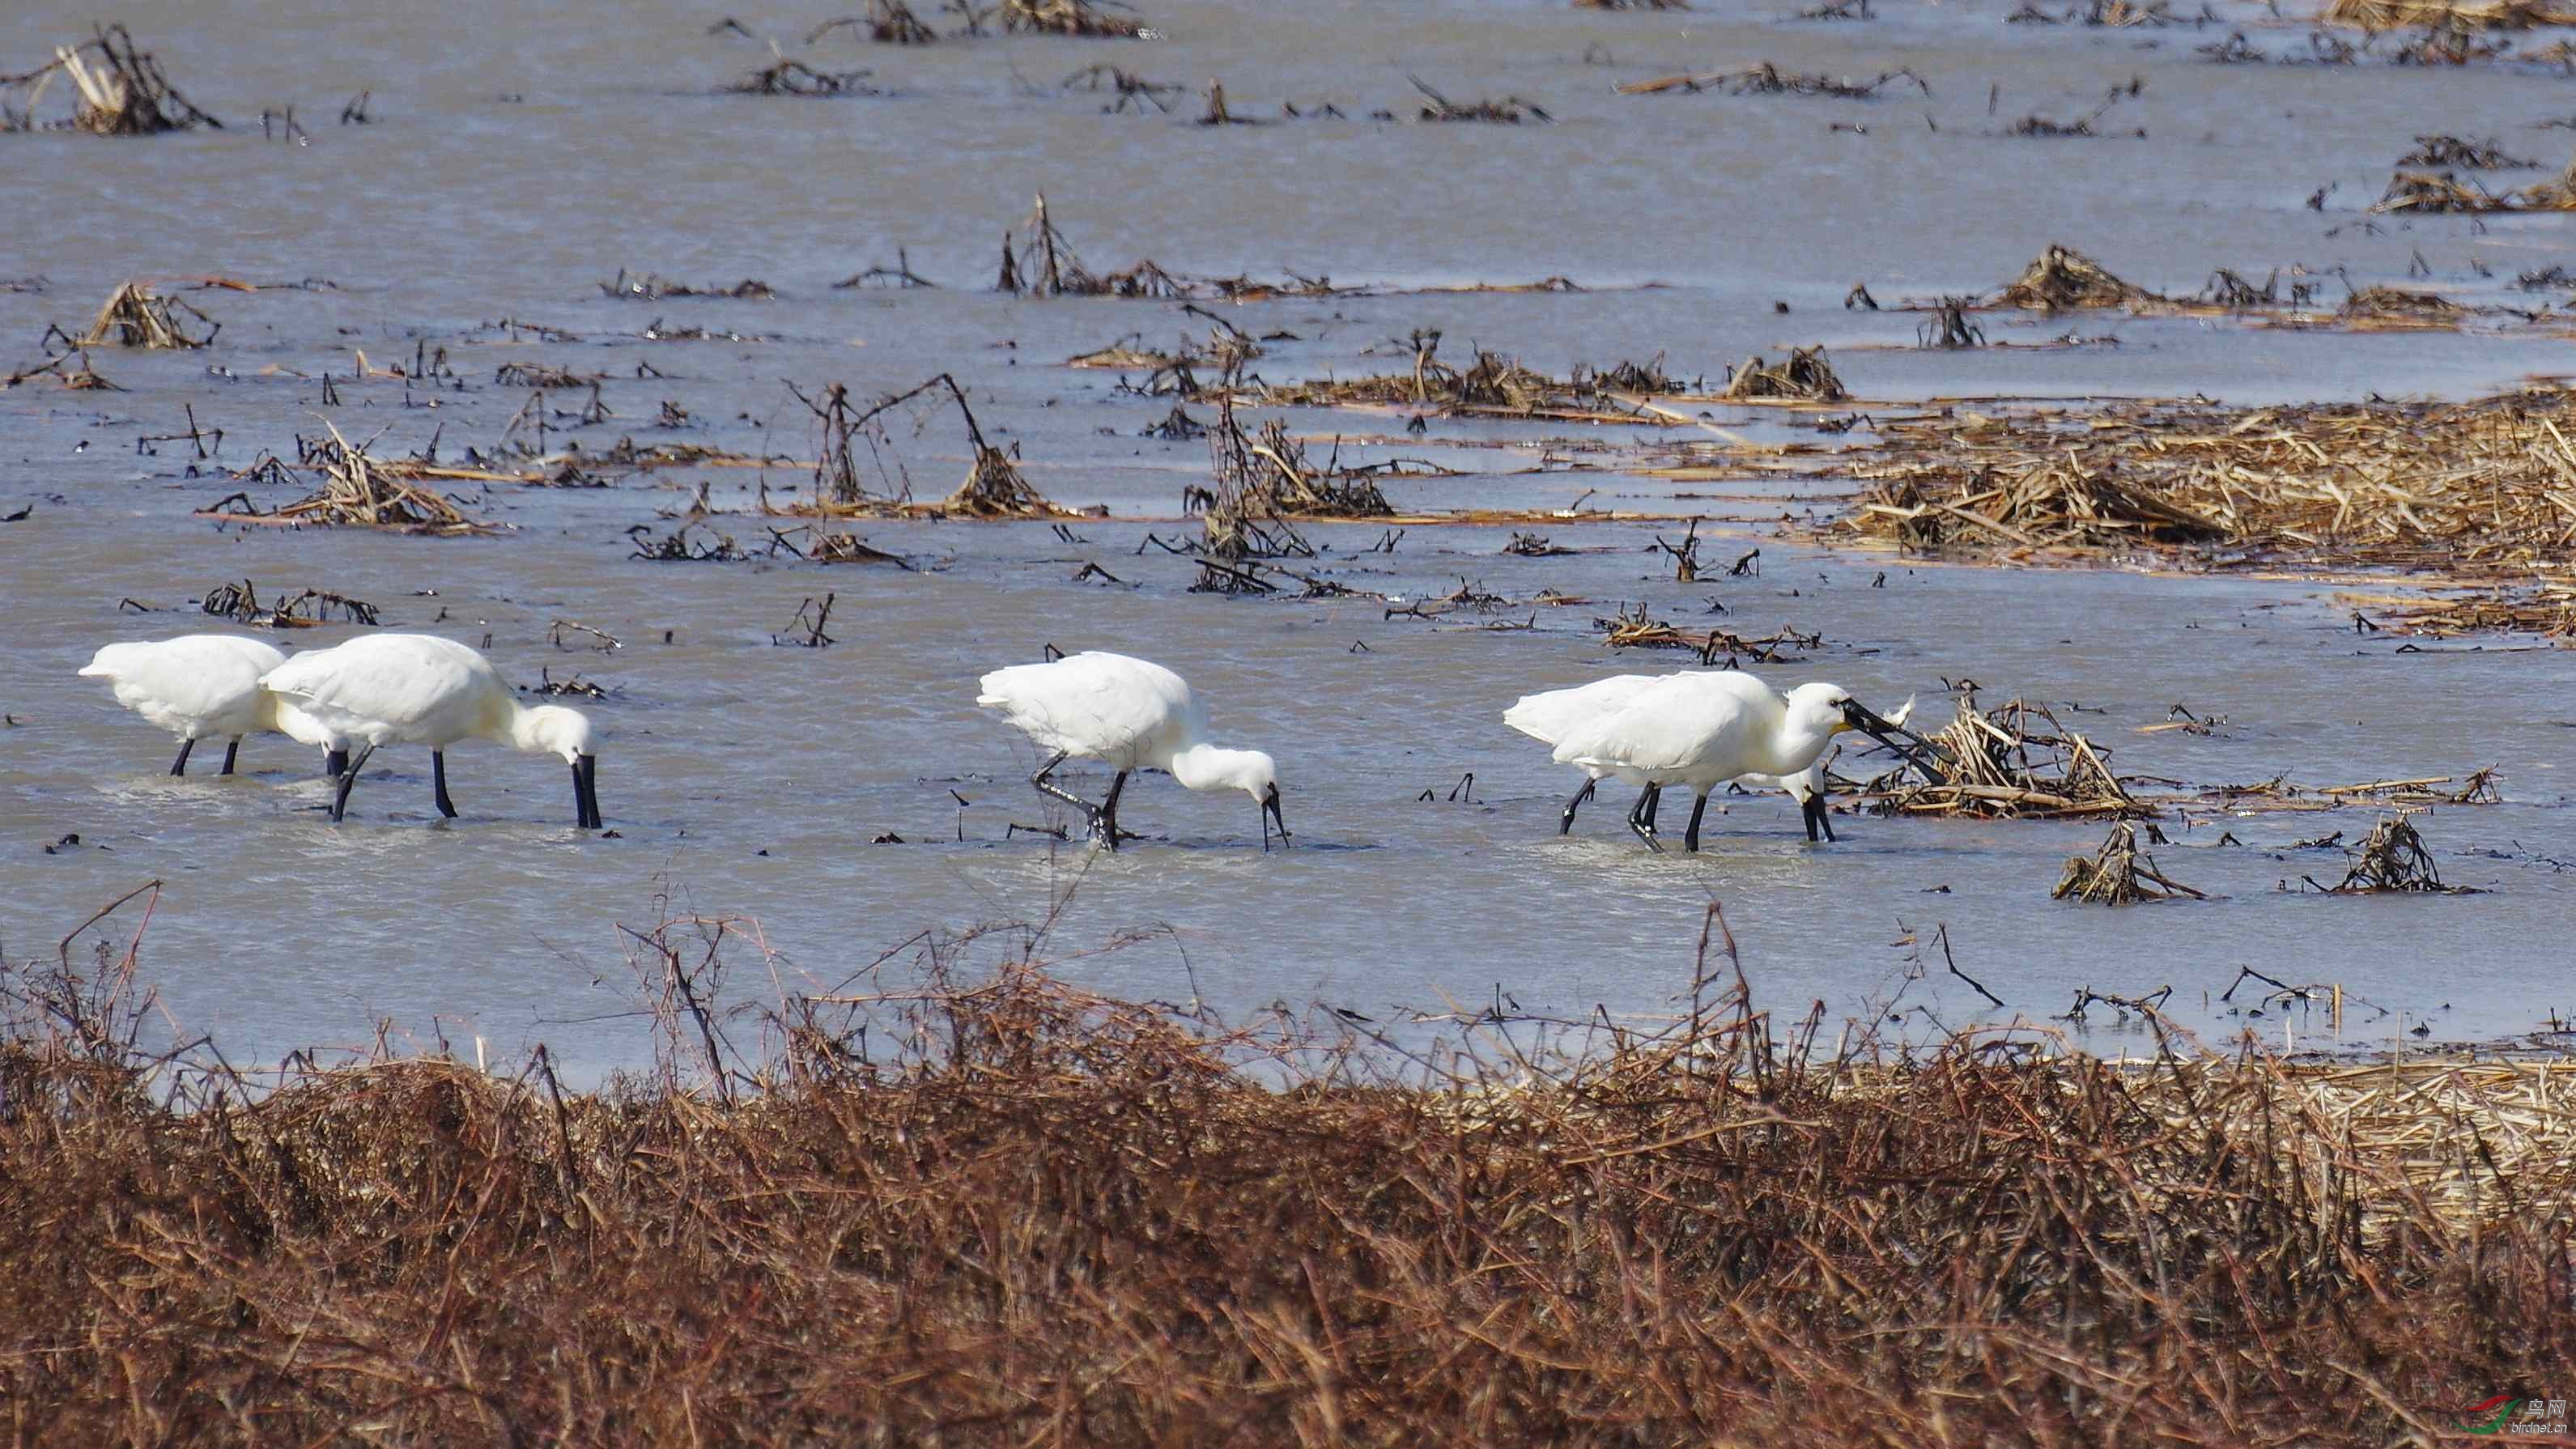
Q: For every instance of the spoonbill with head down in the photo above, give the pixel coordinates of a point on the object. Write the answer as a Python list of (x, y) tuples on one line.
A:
[(1549, 717), (419, 689), (204, 686), (1131, 715), (1702, 729)]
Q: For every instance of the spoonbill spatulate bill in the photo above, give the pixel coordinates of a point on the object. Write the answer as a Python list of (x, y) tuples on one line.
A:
[(1699, 729), (201, 687), (419, 689), (1131, 715)]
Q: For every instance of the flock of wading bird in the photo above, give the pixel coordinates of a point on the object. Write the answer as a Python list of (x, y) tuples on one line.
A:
[(1698, 729)]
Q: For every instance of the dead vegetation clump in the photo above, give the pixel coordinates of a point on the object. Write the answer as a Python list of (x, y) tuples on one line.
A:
[(2396, 304), (359, 491), (788, 77), (2547, 611), (2118, 874), (2393, 858), (540, 374), (70, 367), (652, 288), (1259, 486), (2063, 280), (1085, 19), (1767, 79), (1803, 376), (1273, 1232), (993, 487), (2014, 762), (2487, 155), (310, 609), (2474, 486), (1508, 111), (1492, 385), (2428, 192), (115, 89), (1636, 629), (2447, 14), (887, 22), (134, 316)]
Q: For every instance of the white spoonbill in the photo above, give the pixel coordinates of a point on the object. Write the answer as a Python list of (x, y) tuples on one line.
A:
[(419, 689), (1131, 715), (1548, 717), (1705, 728), (202, 687)]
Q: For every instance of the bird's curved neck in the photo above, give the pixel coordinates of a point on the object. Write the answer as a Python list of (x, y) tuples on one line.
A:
[(514, 724), (1210, 767), (1797, 744)]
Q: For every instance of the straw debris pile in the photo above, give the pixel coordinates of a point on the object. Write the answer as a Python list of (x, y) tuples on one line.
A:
[(1491, 386), (2486, 486), (2012, 762)]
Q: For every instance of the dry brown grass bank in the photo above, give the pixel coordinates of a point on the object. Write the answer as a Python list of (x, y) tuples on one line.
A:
[(1019, 1214)]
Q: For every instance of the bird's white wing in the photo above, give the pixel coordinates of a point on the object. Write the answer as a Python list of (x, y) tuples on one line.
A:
[(1092, 703), (1550, 716), (204, 680), (394, 677), (1681, 722)]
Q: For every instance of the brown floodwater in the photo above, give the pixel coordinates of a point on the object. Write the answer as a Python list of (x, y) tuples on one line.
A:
[(523, 153)]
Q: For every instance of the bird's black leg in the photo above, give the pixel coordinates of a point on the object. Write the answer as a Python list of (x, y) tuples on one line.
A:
[(230, 752), (1565, 825), (1690, 837), (1641, 819), (348, 780), (179, 766), (1818, 818), (335, 763), (1045, 786), (1109, 811), (438, 782)]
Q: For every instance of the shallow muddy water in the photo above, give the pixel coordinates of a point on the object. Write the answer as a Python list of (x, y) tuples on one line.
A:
[(747, 779)]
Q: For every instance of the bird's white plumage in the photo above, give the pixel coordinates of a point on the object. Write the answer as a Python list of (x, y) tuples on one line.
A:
[(1128, 713), (200, 686), (419, 689), (203, 686), (1551, 716), (398, 689), (1700, 728)]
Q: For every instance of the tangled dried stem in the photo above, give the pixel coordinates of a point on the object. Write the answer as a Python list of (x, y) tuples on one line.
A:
[(2118, 874), (2013, 762), (133, 316)]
